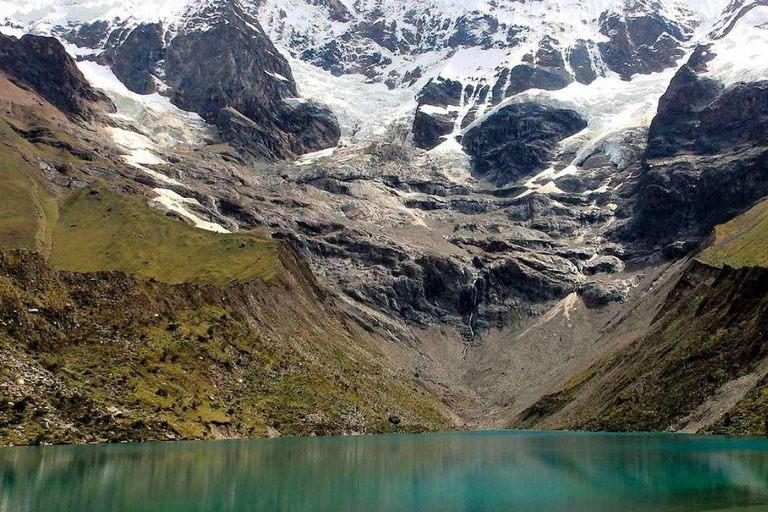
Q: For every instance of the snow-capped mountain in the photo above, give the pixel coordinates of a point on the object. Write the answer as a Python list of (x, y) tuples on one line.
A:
[(549, 98), (461, 166), (371, 60)]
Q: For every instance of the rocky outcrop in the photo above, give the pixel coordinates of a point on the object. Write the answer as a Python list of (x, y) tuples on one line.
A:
[(643, 41), (429, 128), (136, 60), (474, 29), (580, 60), (433, 118), (89, 35), (311, 125), (43, 65), (525, 77), (230, 64), (676, 127), (707, 154), (597, 294), (233, 65), (518, 140)]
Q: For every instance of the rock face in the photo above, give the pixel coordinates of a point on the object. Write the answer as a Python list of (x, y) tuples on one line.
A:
[(88, 35), (641, 44), (233, 65), (230, 64), (518, 140), (429, 128), (433, 118), (216, 60), (707, 154), (42, 64), (135, 62), (525, 77), (676, 125), (581, 62), (475, 43)]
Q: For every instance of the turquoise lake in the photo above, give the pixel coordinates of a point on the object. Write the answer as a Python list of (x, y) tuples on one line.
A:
[(488, 471)]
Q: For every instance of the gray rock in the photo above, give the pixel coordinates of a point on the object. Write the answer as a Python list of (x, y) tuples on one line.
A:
[(603, 265), (597, 294), (518, 140), (232, 66), (134, 62), (42, 64)]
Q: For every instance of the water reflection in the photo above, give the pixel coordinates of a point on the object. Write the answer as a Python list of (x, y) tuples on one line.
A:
[(447, 472)]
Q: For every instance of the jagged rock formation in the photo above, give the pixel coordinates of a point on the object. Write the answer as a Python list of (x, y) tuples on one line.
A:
[(399, 43), (434, 119), (135, 61), (42, 64), (519, 139), (706, 154), (641, 39), (233, 65), (217, 61)]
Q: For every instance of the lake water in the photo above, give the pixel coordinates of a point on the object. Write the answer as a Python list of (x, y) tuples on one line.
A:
[(489, 471)]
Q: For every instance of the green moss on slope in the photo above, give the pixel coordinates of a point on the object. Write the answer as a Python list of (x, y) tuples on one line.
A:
[(742, 242), (107, 357), (750, 416), (27, 212), (101, 229)]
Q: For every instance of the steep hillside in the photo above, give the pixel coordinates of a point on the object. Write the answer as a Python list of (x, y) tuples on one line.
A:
[(121, 321), (107, 357), (26, 212), (741, 242), (704, 352), (245, 345), (701, 365)]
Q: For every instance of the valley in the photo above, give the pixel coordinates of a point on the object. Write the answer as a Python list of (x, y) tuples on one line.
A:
[(362, 217)]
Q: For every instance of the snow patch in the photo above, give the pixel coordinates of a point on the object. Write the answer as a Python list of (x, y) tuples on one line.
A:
[(742, 55), (363, 109), (276, 75), (432, 110), (176, 203), (11, 31), (309, 158)]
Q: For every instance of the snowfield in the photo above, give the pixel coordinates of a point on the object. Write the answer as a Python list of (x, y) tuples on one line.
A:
[(742, 54), (367, 108)]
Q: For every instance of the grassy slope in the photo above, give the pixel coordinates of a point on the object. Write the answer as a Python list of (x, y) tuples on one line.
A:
[(100, 229), (742, 242), (27, 213), (106, 357)]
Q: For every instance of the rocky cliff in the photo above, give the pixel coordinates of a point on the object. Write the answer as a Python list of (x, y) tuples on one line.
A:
[(42, 65)]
